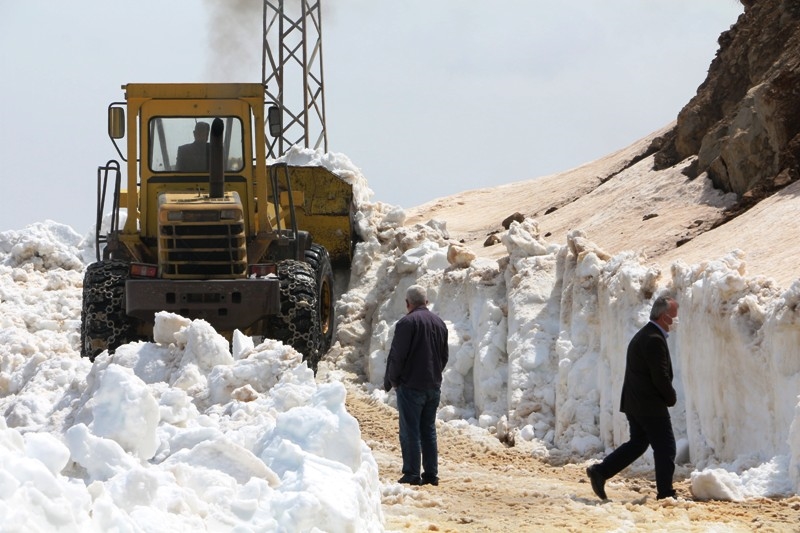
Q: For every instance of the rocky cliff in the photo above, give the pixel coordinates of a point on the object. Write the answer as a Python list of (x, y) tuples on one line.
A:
[(744, 122)]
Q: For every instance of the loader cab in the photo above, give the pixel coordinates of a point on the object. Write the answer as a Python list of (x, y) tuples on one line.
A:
[(170, 136), (159, 122)]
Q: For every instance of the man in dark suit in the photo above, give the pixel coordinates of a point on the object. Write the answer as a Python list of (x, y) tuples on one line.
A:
[(647, 393), (414, 368), (193, 157)]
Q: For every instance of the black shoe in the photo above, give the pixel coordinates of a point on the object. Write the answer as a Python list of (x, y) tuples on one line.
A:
[(410, 480), (598, 482), (430, 480), (670, 494)]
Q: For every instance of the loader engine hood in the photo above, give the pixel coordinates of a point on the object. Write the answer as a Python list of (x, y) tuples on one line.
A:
[(201, 237)]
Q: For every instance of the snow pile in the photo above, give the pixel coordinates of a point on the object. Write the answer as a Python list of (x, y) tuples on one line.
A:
[(182, 435), (538, 342)]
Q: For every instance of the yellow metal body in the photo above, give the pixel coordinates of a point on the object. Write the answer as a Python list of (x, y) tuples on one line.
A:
[(322, 201)]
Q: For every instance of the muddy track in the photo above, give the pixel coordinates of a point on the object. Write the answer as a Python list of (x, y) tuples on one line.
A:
[(486, 486)]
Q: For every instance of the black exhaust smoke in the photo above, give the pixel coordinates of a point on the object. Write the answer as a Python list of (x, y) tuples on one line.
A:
[(216, 174)]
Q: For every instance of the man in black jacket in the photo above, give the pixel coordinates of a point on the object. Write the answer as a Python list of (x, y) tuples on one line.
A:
[(647, 392), (414, 368), (193, 157)]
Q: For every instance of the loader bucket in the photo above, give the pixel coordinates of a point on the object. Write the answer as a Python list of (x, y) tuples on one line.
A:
[(327, 211)]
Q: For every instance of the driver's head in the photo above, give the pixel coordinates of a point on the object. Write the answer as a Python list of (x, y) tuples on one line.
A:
[(201, 130)]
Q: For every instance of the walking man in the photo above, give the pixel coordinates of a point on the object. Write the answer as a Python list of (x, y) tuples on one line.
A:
[(647, 392), (418, 354)]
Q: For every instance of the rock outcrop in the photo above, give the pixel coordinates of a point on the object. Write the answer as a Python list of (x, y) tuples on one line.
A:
[(744, 122)]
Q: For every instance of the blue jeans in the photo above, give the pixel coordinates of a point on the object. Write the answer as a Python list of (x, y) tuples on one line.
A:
[(417, 412)]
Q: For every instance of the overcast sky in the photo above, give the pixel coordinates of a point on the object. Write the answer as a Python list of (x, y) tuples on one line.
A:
[(427, 97)]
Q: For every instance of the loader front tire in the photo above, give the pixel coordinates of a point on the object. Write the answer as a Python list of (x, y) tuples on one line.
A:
[(297, 324), (319, 259), (104, 323)]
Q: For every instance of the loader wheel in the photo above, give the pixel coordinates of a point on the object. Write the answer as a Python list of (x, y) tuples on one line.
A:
[(297, 324), (317, 256), (104, 323)]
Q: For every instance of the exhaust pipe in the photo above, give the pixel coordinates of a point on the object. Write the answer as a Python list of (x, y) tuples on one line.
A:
[(216, 175)]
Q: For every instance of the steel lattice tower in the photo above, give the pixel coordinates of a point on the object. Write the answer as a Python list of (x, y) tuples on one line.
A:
[(292, 73)]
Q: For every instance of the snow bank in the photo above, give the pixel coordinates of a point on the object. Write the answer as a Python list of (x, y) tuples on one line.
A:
[(538, 342), (182, 435)]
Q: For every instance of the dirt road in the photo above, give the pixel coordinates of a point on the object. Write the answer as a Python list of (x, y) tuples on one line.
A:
[(487, 486)]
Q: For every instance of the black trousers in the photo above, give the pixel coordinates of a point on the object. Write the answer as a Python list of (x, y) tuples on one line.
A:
[(655, 431)]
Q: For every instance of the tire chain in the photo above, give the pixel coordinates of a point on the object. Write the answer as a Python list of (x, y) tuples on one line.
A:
[(297, 324), (104, 324)]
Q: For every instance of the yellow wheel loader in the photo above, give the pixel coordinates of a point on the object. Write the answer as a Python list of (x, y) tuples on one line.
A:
[(204, 228)]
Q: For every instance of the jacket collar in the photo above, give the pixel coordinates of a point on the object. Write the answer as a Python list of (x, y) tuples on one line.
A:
[(666, 335)]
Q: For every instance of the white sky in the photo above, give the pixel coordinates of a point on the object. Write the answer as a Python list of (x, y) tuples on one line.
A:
[(548, 85)]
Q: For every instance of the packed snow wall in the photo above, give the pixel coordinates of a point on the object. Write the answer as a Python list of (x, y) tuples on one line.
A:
[(538, 339)]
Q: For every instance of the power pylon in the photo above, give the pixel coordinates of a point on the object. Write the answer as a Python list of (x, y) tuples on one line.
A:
[(292, 75)]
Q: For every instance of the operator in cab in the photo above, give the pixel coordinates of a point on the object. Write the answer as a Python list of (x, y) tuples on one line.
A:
[(193, 157)]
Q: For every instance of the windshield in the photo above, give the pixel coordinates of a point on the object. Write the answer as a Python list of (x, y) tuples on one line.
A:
[(180, 144)]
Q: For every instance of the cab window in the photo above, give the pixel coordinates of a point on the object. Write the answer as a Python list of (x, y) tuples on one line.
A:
[(181, 144)]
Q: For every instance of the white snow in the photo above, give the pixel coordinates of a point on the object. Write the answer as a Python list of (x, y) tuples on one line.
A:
[(190, 433), (182, 435)]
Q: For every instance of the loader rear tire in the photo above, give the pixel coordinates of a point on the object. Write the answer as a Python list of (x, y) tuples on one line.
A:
[(104, 323), (297, 324), (319, 259)]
